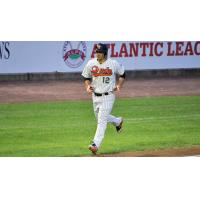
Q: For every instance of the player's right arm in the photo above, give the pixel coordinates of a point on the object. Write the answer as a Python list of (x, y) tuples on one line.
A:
[(88, 86), (87, 78)]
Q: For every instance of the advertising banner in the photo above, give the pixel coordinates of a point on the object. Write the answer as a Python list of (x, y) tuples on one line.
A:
[(71, 56)]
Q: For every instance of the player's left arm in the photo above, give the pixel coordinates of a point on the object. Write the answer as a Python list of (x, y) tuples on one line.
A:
[(121, 72), (120, 82)]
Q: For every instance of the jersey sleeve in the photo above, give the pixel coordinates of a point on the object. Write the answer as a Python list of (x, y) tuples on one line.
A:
[(86, 71), (119, 68)]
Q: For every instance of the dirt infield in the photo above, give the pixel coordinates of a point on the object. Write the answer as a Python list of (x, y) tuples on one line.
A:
[(45, 91), (192, 151)]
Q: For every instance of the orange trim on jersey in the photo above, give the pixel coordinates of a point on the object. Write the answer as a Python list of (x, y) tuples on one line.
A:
[(96, 71)]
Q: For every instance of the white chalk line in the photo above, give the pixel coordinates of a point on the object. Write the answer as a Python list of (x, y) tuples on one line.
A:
[(190, 116)]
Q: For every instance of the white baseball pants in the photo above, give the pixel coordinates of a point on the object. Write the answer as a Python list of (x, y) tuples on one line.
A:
[(102, 108)]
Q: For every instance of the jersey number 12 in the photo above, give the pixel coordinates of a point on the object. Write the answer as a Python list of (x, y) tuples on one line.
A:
[(106, 79)]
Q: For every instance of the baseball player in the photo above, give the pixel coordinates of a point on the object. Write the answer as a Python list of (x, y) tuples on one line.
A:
[(100, 81)]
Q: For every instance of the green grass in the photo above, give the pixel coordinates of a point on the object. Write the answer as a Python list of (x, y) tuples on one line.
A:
[(66, 128)]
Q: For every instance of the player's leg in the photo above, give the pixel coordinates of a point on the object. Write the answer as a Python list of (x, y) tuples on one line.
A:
[(96, 109), (114, 120), (104, 111), (96, 104)]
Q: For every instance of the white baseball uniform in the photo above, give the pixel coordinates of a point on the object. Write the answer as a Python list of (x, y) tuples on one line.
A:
[(103, 78)]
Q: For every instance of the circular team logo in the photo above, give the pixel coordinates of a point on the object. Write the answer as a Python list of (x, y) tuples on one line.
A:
[(74, 53)]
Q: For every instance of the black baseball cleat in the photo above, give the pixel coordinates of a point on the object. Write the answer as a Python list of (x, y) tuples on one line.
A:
[(93, 148), (119, 127)]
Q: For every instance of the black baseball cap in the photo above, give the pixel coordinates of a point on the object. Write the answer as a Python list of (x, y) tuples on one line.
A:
[(102, 48)]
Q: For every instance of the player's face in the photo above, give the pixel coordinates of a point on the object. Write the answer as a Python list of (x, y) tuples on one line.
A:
[(100, 56)]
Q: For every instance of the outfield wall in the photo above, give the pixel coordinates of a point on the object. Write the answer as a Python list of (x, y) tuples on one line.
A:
[(76, 76), (65, 60), (72, 56)]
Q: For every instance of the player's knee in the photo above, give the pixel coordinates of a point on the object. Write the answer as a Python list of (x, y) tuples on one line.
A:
[(102, 121)]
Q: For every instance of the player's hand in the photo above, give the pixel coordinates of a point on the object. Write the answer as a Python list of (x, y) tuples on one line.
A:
[(89, 89), (117, 88)]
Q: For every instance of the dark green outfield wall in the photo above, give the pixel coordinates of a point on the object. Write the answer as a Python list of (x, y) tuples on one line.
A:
[(166, 73)]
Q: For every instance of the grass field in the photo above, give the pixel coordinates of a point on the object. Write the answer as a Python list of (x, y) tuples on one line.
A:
[(66, 128)]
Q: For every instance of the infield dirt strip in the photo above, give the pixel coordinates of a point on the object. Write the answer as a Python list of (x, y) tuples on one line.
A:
[(45, 91)]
